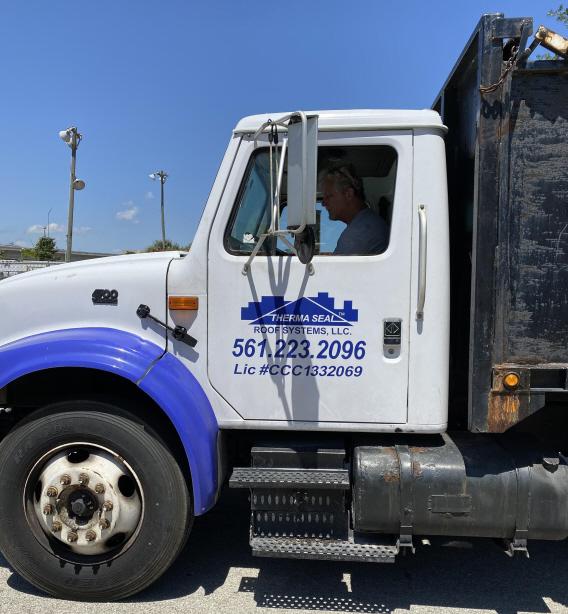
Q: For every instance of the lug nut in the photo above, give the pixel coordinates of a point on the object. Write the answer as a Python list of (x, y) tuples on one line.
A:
[(72, 537), (56, 526), (90, 536), (104, 523), (52, 492), (107, 506), (48, 509), (100, 489), (65, 480), (83, 479)]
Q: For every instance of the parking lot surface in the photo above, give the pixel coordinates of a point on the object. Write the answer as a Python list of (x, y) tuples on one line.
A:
[(216, 573)]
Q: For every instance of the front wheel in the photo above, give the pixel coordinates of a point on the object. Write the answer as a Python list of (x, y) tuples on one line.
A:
[(93, 506)]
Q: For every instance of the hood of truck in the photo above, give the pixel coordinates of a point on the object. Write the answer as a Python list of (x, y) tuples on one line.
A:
[(91, 264), (101, 293)]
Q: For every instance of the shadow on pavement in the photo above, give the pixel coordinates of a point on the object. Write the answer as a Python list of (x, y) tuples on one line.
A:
[(476, 575)]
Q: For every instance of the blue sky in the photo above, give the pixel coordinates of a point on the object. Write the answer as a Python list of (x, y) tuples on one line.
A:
[(161, 84)]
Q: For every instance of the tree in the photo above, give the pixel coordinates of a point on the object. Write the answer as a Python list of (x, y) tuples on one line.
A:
[(158, 246), (560, 14), (45, 248), (27, 253)]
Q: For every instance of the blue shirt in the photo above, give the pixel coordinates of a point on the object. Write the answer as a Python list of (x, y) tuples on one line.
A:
[(367, 234)]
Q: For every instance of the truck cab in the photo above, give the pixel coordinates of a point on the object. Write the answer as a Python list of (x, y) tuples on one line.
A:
[(335, 343)]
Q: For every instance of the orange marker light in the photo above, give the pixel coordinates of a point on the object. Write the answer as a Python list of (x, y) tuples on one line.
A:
[(511, 381), (183, 303)]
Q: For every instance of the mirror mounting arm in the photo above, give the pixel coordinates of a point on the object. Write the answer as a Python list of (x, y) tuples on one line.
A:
[(304, 181), (261, 240)]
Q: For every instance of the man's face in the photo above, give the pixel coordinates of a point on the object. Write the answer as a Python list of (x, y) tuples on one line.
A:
[(334, 200)]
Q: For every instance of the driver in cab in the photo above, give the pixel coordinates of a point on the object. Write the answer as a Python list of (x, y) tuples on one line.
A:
[(344, 199)]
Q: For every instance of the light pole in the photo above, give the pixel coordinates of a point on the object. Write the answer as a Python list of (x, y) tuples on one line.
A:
[(48, 214), (162, 176), (72, 137)]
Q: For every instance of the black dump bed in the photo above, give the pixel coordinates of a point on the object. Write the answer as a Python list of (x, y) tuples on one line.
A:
[(507, 157)]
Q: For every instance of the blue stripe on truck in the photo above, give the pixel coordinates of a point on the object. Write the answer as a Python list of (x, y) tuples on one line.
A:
[(168, 383), (181, 396)]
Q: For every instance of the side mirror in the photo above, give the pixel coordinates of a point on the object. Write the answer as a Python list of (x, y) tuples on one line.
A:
[(302, 146), (305, 245), (302, 170)]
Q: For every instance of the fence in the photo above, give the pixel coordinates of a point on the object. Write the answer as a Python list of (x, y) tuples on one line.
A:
[(8, 268)]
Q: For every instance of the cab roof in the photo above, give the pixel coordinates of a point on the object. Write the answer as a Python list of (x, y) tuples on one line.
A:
[(356, 119)]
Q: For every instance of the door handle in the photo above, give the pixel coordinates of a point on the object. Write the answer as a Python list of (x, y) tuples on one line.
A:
[(422, 253)]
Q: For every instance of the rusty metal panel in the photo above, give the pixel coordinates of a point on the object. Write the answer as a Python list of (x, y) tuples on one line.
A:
[(530, 277), (536, 240), (507, 407), (485, 235), (502, 28), (507, 153), (511, 487)]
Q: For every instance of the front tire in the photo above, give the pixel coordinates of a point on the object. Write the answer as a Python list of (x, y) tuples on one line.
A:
[(93, 506)]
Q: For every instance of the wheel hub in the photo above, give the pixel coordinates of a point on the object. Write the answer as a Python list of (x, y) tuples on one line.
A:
[(88, 499), (82, 506)]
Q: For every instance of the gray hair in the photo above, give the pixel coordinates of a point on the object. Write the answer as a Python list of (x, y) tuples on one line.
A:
[(345, 177)]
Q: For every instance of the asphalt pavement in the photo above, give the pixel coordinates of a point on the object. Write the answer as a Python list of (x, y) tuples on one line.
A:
[(216, 573)]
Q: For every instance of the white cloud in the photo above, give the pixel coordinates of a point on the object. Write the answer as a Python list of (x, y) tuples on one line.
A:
[(38, 229), (150, 195), (82, 230), (35, 229), (129, 214), (22, 243)]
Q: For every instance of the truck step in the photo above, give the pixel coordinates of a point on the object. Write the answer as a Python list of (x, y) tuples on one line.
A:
[(314, 479), (322, 549)]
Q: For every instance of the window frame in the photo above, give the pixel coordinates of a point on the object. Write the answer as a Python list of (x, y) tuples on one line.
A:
[(270, 244), (236, 207)]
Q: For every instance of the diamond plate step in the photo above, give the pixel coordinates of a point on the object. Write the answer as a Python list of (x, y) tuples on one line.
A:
[(322, 549), (261, 477)]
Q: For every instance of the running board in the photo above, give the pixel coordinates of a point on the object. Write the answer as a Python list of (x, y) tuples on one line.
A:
[(323, 549), (299, 498), (314, 479)]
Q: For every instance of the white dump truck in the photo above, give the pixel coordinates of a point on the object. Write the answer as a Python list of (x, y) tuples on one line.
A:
[(397, 375)]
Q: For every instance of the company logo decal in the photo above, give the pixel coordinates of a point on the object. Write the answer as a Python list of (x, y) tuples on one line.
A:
[(318, 310)]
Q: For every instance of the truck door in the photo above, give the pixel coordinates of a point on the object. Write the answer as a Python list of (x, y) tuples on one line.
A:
[(321, 343)]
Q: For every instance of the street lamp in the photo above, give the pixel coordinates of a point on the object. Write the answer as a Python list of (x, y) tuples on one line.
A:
[(72, 137), (162, 176), (48, 214)]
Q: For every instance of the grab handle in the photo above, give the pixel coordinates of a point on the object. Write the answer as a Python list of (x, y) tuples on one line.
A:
[(422, 252)]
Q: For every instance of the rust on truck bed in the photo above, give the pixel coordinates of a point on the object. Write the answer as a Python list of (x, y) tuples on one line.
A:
[(508, 191), (507, 407)]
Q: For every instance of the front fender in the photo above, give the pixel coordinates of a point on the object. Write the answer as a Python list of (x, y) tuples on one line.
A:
[(160, 375)]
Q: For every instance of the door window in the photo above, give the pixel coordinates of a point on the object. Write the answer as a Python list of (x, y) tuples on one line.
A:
[(356, 190)]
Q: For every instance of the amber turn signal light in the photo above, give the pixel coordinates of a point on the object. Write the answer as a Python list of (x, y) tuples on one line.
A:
[(183, 303), (511, 381)]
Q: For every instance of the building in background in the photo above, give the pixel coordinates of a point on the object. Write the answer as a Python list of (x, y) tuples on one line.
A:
[(11, 262), (14, 252)]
